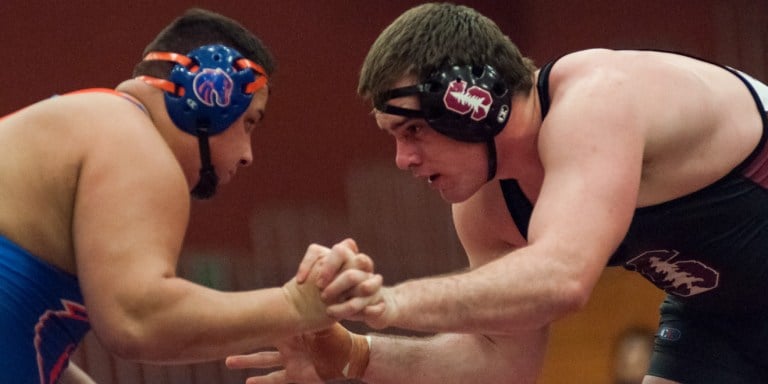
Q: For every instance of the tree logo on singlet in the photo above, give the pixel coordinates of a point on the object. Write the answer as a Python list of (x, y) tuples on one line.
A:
[(459, 99), (678, 277)]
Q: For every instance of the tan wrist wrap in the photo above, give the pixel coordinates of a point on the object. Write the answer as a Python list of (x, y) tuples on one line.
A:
[(337, 353)]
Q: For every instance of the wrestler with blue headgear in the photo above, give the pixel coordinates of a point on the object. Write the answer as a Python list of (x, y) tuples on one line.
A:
[(95, 205)]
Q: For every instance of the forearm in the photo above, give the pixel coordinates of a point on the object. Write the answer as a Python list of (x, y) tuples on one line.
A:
[(511, 294), (181, 322), (456, 358)]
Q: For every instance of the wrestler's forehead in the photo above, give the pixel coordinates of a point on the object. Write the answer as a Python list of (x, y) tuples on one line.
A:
[(390, 122)]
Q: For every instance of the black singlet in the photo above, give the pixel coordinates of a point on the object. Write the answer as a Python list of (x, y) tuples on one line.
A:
[(708, 249)]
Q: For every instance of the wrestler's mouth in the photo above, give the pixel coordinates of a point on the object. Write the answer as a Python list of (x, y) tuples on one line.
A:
[(427, 177)]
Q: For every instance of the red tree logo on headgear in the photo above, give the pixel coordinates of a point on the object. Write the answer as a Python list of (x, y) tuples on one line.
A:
[(461, 100)]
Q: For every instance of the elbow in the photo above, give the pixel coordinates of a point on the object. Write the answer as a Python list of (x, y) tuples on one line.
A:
[(572, 296), (124, 342), (133, 342)]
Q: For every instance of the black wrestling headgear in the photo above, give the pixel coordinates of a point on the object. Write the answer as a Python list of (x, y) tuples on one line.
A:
[(467, 103)]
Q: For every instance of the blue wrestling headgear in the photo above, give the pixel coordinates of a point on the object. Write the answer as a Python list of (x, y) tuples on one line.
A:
[(466, 103), (211, 87), (207, 90)]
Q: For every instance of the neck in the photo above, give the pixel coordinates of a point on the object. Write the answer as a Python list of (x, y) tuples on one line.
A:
[(183, 145), (516, 144)]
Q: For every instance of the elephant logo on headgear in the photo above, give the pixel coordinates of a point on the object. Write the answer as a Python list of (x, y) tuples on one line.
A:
[(213, 86)]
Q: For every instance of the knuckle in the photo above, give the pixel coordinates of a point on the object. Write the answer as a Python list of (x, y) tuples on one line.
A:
[(315, 248)]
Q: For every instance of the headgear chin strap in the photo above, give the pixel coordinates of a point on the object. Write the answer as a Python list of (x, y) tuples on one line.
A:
[(467, 103), (207, 91), (206, 185)]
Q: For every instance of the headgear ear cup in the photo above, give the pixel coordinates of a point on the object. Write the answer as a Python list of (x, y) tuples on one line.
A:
[(467, 103), (211, 86)]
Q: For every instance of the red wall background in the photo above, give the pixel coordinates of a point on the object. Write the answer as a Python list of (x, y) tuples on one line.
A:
[(316, 126), (317, 129)]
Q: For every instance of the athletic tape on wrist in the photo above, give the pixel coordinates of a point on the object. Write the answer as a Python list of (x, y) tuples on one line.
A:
[(337, 353), (360, 368)]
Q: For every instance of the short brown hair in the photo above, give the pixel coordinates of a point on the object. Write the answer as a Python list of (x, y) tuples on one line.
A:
[(198, 27), (433, 35)]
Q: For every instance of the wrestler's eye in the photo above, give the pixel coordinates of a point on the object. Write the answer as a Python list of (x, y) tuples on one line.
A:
[(412, 129), (250, 125)]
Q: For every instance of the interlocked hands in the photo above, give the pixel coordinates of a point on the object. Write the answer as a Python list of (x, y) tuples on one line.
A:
[(335, 283)]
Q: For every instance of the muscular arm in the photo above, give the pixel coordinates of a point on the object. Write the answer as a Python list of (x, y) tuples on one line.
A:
[(131, 212), (456, 358), (591, 149)]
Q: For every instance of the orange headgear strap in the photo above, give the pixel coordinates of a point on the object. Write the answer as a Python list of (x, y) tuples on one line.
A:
[(258, 83), (185, 61)]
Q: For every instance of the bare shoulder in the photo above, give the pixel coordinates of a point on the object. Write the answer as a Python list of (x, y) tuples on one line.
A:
[(635, 73), (484, 225), (80, 121), (104, 116), (116, 132), (122, 145), (593, 70), (692, 120), (655, 88), (578, 64), (74, 158)]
